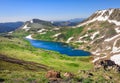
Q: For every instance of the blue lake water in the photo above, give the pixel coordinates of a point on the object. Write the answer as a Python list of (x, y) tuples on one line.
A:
[(59, 47)]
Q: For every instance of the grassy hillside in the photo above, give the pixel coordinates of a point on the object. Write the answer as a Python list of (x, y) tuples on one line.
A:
[(21, 51), (65, 34)]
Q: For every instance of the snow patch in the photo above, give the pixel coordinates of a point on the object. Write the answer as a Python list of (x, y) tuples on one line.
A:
[(29, 37), (97, 39), (96, 52), (114, 21), (31, 21), (80, 41), (83, 36), (117, 30), (116, 58), (26, 28), (98, 58), (107, 47), (102, 18), (69, 39), (56, 29), (93, 36), (40, 31), (10, 32), (115, 49), (56, 35), (110, 39)]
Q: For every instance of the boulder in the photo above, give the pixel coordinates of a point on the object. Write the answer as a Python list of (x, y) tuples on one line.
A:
[(68, 75), (53, 74)]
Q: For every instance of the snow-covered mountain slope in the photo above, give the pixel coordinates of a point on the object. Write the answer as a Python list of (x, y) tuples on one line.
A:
[(110, 15), (102, 34)]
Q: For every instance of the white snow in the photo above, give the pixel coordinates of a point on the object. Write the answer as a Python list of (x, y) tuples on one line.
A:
[(31, 21), (29, 37), (80, 41), (117, 30), (115, 49), (56, 35), (83, 36), (10, 32), (114, 21), (110, 39), (97, 39), (101, 18), (40, 31), (96, 52), (85, 23), (93, 36), (98, 58), (116, 58), (56, 29), (26, 28), (107, 47), (89, 28), (69, 39)]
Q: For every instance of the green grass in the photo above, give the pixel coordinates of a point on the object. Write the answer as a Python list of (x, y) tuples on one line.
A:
[(72, 32), (47, 36), (23, 77), (21, 49), (18, 48), (66, 33)]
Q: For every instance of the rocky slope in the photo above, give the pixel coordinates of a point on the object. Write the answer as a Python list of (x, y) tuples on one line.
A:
[(36, 24), (103, 31), (99, 34)]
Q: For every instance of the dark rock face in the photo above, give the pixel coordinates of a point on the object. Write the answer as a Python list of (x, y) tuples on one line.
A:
[(108, 65), (90, 74), (2, 80)]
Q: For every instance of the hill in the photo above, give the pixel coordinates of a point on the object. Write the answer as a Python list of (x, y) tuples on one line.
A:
[(11, 26)]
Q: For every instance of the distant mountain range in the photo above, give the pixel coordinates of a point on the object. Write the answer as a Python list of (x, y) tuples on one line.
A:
[(37, 23), (10, 26), (71, 22)]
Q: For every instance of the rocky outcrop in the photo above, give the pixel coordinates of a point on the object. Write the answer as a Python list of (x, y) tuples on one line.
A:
[(53, 75), (68, 75), (107, 65)]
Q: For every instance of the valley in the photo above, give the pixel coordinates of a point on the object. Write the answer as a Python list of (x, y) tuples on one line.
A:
[(24, 58)]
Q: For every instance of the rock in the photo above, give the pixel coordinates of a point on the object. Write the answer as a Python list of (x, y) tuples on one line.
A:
[(106, 64), (116, 68), (90, 74), (82, 71), (1, 80), (68, 75), (53, 75), (107, 77)]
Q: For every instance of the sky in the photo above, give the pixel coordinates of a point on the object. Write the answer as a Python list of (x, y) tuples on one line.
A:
[(23, 10)]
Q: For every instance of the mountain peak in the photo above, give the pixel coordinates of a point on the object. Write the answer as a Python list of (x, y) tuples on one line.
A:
[(111, 15)]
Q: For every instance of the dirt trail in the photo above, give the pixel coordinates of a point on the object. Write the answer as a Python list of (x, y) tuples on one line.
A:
[(28, 65)]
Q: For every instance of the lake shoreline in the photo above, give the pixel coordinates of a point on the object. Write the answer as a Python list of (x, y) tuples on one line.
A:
[(60, 47)]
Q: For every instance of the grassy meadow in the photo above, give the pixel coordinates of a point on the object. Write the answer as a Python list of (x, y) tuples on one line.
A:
[(20, 49)]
